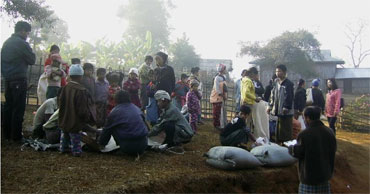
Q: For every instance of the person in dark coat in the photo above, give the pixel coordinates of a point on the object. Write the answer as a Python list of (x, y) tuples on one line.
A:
[(16, 56), (299, 98), (315, 151), (127, 126), (281, 104), (267, 94), (317, 95), (166, 76)]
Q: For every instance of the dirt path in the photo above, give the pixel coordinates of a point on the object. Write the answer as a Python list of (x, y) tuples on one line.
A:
[(29, 171)]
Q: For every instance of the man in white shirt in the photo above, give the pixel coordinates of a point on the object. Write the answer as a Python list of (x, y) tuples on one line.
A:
[(43, 114)]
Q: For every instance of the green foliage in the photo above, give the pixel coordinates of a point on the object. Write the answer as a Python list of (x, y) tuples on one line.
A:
[(355, 116), (291, 48), (30, 10), (183, 54), (136, 49), (43, 36), (143, 16)]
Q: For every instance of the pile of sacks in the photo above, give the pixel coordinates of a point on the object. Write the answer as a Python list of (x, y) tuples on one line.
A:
[(233, 158)]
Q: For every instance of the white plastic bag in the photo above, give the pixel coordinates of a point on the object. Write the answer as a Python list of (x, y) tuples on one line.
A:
[(260, 120), (309, 96), (303, 125), (41, 88)]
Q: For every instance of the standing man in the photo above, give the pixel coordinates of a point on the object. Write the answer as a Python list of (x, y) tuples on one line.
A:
[(144, 78), (281, 105), (315, 150), (16, 56)]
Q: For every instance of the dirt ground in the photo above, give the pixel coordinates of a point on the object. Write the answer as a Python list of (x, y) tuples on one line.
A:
[(29, 171)]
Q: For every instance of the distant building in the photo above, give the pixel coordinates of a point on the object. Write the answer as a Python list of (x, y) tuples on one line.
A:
[(353, 80), (325, 67)]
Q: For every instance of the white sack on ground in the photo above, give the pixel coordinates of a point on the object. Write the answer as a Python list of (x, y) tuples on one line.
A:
[(260, 120), (273, 155), (229, 158), (110, 146)]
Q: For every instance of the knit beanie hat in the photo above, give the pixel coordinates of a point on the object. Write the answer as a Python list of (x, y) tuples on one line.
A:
[(316, 82), (76, 69), (161, 95), (221, 67)]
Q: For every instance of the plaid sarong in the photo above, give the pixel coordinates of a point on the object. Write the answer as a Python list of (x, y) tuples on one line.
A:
[(320, 188)]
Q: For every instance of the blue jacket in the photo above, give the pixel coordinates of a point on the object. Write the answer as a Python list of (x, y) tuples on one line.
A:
[(16, 55), (125, 122)]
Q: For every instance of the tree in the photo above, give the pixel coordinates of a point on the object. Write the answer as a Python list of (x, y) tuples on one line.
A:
[(355, 38), (143, 16), (183, 54), (43, 36), (295, 49), (30, 10), (135, 49)]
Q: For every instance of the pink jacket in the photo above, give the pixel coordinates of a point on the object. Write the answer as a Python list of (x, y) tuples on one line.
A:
[(332, 105)]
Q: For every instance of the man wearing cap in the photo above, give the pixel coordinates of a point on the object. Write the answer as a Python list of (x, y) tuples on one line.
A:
[(76, 110), (317, 96), (16, 56), (171, 121)]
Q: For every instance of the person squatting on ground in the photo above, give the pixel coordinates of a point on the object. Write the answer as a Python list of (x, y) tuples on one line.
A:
[(132, 86), (237, 132), (180, 91), (218, 98), (332, 107), (43, 114), (126, 124), (101, 97), (171, 121), (144, 78), (54, 74), (16, 56), (192, 101), (76, 110), (315, 150), (281, 105)]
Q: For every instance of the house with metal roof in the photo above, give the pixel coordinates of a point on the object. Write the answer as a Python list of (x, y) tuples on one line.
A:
[(325, 67), (353, 80)]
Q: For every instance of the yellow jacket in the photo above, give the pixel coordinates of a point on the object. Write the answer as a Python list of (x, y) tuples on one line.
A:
[(247, 91)]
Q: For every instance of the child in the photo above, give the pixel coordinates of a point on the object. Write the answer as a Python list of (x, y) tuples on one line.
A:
[(172, 122), (101, 97), (88, 80), (54, 74), (180, 91), (114, 80), (192, 101), (72, 119), (132, 86), (152, 108), (236, 133)]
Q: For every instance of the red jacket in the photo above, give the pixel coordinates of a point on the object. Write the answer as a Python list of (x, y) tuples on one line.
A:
[(65, 67)]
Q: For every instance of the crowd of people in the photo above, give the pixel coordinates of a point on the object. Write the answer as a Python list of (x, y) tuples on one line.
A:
[(150, 101)]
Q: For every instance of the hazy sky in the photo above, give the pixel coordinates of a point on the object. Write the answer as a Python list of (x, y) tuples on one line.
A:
[(215, 27)]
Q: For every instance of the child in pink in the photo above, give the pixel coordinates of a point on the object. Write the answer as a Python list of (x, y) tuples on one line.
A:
[(192, 101)]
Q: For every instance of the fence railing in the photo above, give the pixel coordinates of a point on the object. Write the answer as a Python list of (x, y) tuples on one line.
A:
[(355, 118), (207, 106)]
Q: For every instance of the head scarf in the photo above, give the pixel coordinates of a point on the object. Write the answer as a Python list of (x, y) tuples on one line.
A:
[(161, 95), (221, 67), (76, 69), (134, 70)]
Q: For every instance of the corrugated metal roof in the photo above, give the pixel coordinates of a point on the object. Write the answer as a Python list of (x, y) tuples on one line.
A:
[(345, 73)]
